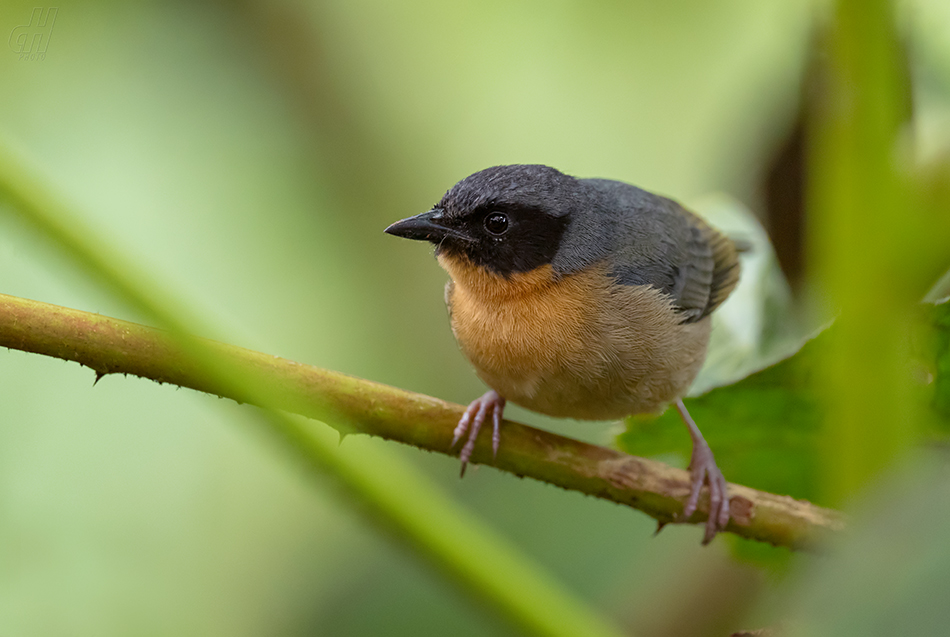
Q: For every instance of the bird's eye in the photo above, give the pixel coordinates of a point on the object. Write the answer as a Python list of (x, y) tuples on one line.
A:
[(497, 223)]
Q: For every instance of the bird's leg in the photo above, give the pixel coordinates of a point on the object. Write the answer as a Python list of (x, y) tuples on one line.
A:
[(472, 420), (702, 468)]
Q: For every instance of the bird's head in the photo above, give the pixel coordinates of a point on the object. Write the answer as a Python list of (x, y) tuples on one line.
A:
[(506, 219)]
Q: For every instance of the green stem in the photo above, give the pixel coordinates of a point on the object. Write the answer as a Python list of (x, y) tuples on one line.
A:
[(862, 233), (391, 492)]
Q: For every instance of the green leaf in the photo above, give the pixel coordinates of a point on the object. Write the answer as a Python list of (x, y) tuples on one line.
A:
[(764, 429)]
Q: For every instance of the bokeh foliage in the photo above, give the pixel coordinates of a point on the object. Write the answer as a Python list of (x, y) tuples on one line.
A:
[(249, 155)]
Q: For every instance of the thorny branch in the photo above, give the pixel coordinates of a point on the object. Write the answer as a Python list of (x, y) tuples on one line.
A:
[(354, 405)]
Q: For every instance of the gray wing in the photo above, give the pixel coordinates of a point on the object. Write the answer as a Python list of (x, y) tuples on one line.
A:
[(659, 243)]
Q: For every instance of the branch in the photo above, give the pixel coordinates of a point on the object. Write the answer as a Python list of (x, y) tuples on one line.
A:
[(353, 405)]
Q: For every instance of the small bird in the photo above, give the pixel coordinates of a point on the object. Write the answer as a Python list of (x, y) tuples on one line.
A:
[(579, 298)]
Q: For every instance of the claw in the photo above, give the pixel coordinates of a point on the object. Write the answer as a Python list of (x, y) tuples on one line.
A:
[(462, 426), (496, 426), (472, 421)]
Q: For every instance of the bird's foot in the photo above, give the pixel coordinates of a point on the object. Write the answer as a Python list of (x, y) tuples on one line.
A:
[(472, 421), (703, 469)]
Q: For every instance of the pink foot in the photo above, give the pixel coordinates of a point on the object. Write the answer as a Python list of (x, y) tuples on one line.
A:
[(472, 421), (703, 470)]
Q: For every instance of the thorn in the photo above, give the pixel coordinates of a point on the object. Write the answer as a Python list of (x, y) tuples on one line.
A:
[(343, 435), (99, 376), (659, 527)]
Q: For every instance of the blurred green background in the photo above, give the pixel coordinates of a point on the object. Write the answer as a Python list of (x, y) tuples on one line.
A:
[(250, 154)]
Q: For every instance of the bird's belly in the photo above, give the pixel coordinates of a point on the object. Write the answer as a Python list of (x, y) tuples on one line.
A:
[(585, 350), (596, 384)]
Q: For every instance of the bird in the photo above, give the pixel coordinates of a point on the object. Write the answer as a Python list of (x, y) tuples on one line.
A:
[(579, 298)]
